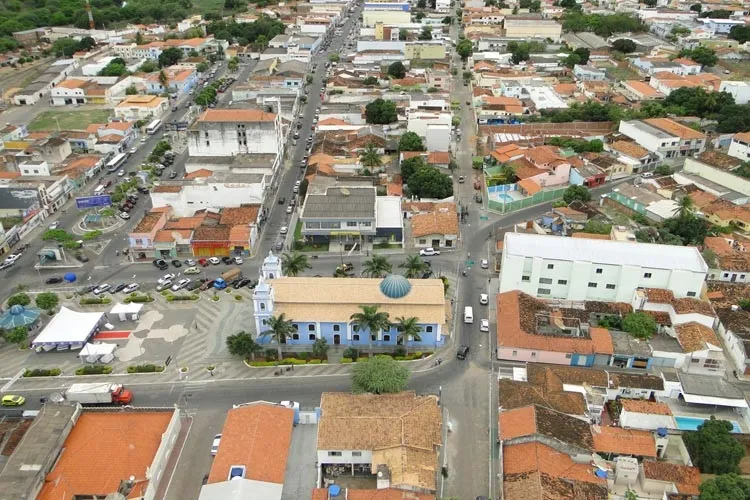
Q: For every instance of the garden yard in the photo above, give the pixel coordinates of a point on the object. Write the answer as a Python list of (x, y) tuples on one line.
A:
[(68, 120)]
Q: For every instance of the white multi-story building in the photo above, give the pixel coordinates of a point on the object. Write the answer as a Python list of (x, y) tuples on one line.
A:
[(665, 137), (220, 190), (740, 146), (555, 267), (229, 132), (740, 90)]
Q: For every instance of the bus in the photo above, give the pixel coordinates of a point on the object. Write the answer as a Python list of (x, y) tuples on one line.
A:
[(152, 127), (116, 162)]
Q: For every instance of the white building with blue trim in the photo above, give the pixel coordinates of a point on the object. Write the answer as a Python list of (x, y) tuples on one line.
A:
[(322, 307)]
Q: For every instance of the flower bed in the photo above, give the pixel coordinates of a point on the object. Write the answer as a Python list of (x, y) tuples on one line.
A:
[(147, 368), (94, 370), (88, 301), (42, 372)]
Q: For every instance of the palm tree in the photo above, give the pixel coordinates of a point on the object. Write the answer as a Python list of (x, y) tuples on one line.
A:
[(371, 320), (414, 266), (376, 267), (279, 328), (294, 263), (685, 207), (370, 157), (408, 327)]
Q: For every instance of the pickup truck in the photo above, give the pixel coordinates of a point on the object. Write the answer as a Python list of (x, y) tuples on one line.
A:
[(428, 252)]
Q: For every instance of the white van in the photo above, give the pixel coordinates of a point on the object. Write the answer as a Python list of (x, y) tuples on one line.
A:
[(468, 314), (99, 190)]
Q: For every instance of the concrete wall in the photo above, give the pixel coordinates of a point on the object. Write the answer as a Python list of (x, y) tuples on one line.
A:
[(719, 176), (526, 355), (645, 421), (156, 469)]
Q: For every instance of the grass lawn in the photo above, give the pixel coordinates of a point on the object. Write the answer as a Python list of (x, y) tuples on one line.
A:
[(317, 248), (69, 120), (621, 74)]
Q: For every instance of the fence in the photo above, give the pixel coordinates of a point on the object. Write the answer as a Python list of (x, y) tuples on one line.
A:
[(537, 198)]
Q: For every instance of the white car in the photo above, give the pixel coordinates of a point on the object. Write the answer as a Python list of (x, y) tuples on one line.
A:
[(283, 230), (215, 445), (484, 325), (121, 173), (189, 262), (180, 284), (54, 225), (132, 151), (165, 278), (485, 264), (484, 299), (143, 140), (289, 404), (427, 252), (164, 285), (289, 209), (131, 288), (12, 258), (214, 260), (124, 215), (101, 288), (192, 270), (238, 260)]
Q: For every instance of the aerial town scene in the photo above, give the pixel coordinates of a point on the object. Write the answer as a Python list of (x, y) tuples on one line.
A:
[(375, 249)]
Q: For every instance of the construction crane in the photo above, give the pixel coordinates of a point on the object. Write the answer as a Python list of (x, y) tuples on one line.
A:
[(91, 16)]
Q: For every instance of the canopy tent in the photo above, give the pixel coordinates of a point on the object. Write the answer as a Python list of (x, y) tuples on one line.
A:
[(69, 277), (68, 330), (91, 353), (18, 315), (127, 311)]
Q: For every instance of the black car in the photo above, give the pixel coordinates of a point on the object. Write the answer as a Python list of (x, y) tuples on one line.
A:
[(227, 260), (172, 174), (132, 199), (82, 257), (462, 352), (161, 264), (235, 283), (119, 288), (243, 282), (87, 289), (176, 263), (53, 280), (142, 190), (282, 200), (124, 208), (194, 285), (252, 284)]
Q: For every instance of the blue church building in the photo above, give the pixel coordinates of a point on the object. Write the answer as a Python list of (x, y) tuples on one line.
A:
[(323, 307)]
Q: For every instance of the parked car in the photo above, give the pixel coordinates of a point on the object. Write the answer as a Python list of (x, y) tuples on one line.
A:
[(124, 209), (161, 264), (203, 262), (484, 299), (131, 288), (484, 325), (189, 262), (227, 260), (13, 400), (124, 215), (215, 444), (119, 288), (164, 285), (208, 284), (192, 270), (102, 289), (176, 263), (235, 283), (289, 209), (485, 264), (283, 230), (180, 284), (53, 280), (282, 200), (12, 258), (252, 284), (462, 352), (194, 285), (238, 260), (429, 252), (142, 190), (54, 225), (81, 257), (214, 260), (166, 277)]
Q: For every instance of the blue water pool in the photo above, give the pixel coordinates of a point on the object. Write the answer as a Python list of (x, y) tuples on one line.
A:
[(505, 198), (692, 423)]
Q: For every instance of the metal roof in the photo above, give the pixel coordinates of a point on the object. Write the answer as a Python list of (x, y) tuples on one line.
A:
[(341, 203)]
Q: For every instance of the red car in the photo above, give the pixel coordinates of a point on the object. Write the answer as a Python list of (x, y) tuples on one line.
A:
[(203, 262), (107, 184)]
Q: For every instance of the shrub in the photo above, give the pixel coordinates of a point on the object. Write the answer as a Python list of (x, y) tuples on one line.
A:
[(351, 353), (147, 368), (182, 297), (270, 354), (94, 370), (293, 361), (418, 355), (215, 298), (134, 297), (238, 297), (42, 372), (303, 355), (346, 360), (400, 351), (95, 300), (261, 363), (20, 299), (315, 362)]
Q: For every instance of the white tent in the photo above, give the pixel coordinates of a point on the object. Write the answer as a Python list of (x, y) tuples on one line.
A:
[(68, 330), (91, 353), (127, 311)]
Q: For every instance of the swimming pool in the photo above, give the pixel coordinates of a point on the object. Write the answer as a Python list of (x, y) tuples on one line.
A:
[(505, 198), (692, 423)]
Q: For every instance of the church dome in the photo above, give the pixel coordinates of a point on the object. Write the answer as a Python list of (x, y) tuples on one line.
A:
[(395, 286)]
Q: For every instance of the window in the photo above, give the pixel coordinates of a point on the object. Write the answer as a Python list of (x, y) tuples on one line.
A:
[(599, 270), (726, 275), (691, 294), (334, 453), (646, 275), (533, 355), (311, 336), (295, 336), (562, 282), (422, 242), (355, 337), (543, 291), (365, 224), (336, 328), (550, 266), (610, 286), (568, 356), (514, 353), (545, 281), (386, 338), (356, 453), (351, 224), (712, 364), (592, 284), (295, 326), (311, 327), (742, 276), (525, 278), (262, 306), (373, 338), (428, 329), (208, 144), (355, 328)]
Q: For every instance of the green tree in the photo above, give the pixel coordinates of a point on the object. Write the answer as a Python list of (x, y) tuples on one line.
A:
[(579, 193), (170, 56), (725, 487), (233, 64), (370, 80), (278, 329), (370, 157), (597, 227), (428, 182), (381, 112), (464, 48), (741, 33), (689, 230), (370, 321), (403, 34), (410, 141), (624, 45), (685, 208), (334, 58), (47, 300), (696, 7), (131, 90), (397, 70), (414, 265), (320, 347), (571, 60), (116, 67), (379, 375), (408, 328), (519, 54), (376, 267), (294, 263), (411, 165), (713, 449), (702, 55), (583, 53), (64, 47), (163, 79), (148, 66), (242, 344), (202, 67), (19, 299), (426, 33), (640, 325), (663, 170), (139, 40), (18, 335)]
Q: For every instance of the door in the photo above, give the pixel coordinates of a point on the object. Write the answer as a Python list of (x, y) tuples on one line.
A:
[(337, 339), (733, 278)]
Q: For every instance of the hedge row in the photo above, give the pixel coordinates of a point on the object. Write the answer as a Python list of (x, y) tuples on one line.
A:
[(94, 370), (171, 298), (138, 298), (287, 362), (95, 300), (42, 372), (147, 368)]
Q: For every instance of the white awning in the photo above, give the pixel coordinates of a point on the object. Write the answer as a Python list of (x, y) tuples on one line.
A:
[(69, 327), (714, 401), (96, 350), (132, 308)]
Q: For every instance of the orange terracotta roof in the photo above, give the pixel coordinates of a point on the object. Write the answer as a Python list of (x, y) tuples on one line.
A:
[(9, 175), (727, 211), (72, 83), (123, 126), (131, 444), (440, 221), (687, 479), (516, 320), (542, 155), (256, 436), (674, 128), (565, 88), (590, 236), (694, 336), (200, 173), (236, 115), (333, 121), (643, 88), (239, 234), (686, 62), (507, 153), (517, 423), (624, 441), (643, 406), (529, 186), (659, 295), (94, 127), (532, 457), (702, 198), (630, 149), (406, 155), (742, 136), (525, 169), (167, 189), (239, 215), (184, 222), (148, 222), (438, 158), (385, 494)]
